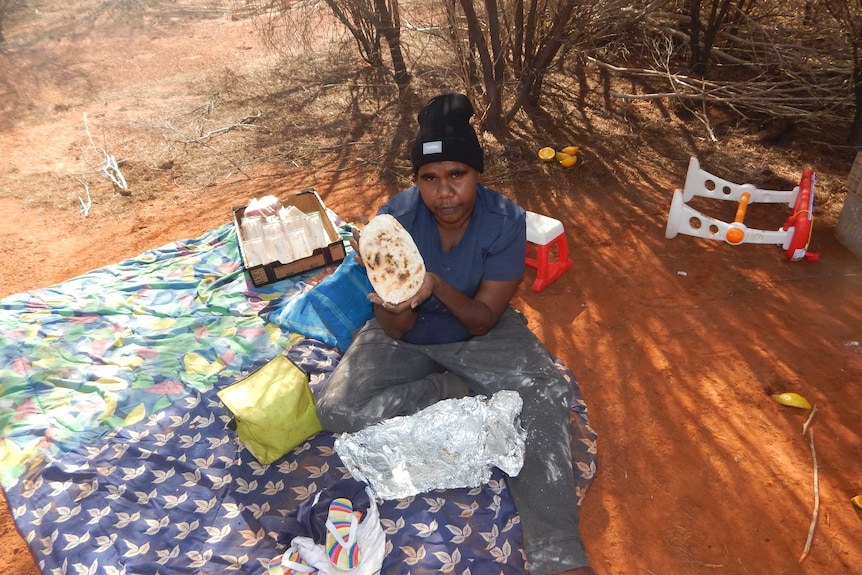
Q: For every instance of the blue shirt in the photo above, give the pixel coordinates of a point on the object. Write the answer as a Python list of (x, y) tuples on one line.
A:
[(493, 248)]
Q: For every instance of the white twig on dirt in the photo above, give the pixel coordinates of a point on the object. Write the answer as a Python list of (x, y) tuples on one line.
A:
[(85, 206), (114, 174), (816, 494), (808, 421), (109, 167)]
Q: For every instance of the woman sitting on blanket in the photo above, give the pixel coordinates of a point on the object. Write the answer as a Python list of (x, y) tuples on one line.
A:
[(458, 334)]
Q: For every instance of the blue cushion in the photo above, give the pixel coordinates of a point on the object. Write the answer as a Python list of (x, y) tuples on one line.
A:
[(329, 312)]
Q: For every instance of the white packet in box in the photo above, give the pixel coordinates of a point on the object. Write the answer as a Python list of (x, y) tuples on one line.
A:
[(299, 243), (252, 228), (290, 212), (316, 231), (273, 236), (255, 252)]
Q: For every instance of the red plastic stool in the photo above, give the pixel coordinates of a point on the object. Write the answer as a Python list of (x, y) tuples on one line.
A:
[(544, 232)]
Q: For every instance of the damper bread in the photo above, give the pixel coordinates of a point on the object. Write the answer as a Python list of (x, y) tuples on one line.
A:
[(395, 267)]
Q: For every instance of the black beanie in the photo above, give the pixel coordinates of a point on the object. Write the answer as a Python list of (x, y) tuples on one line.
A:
[(445, 133)]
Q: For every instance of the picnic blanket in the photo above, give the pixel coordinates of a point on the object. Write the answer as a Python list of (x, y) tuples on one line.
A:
[(116, 455)]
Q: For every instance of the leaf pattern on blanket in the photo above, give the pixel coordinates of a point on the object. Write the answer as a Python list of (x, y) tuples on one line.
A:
[(115, 452), (108, 348)]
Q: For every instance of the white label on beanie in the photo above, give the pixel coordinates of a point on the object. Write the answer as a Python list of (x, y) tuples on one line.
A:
[(432, 148)]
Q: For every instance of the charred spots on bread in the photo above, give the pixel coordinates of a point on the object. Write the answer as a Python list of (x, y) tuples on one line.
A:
[(394, 264)]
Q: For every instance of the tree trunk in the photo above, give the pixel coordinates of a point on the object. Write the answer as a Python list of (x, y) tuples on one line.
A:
[(474, 29), (369, 51), (533, 74), (389, 24), (715, 23), (700, 51), (695, 61), (495, 93), (518, 44)]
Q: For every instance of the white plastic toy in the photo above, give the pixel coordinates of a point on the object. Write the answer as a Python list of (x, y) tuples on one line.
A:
[(794, 236)]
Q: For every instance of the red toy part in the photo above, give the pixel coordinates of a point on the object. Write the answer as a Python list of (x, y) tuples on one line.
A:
[(800, 220)]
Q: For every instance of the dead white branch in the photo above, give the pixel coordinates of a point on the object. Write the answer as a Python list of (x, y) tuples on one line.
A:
[(85, 206), (112, 171), (816, 486), (109, 166), (808, 421)]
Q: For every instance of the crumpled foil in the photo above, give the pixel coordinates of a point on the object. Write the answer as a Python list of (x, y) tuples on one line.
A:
[(453, 443)]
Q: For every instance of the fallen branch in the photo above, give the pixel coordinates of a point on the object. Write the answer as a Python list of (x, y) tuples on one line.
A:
[(202, 139), (109, 167), (816, 489), (808, 421), (85, 206), (112, 171), (761, 40), (807, 83), (246, 122)]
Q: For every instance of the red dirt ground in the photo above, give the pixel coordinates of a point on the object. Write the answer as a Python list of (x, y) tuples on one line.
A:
[(677, 344)]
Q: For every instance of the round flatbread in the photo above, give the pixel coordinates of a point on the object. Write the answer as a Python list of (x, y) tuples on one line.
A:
[(395, 267)]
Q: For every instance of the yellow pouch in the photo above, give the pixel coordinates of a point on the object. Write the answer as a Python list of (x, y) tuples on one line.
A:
[(273, 409)]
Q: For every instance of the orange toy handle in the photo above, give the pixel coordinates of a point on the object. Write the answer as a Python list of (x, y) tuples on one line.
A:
[(743, 205)]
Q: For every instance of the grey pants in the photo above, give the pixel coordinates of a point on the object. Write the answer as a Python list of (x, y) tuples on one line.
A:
[(380, 377)]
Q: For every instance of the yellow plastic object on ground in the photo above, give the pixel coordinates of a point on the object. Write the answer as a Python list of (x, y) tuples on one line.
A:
[(857, 501), (570, 150), (791, 399)]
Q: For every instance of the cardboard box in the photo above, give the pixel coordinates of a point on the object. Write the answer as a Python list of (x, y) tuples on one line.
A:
[(849, 227), (854, 178), (308, 201)]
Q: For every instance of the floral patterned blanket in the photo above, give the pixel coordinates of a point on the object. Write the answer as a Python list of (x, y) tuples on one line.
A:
[(115, 451)]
